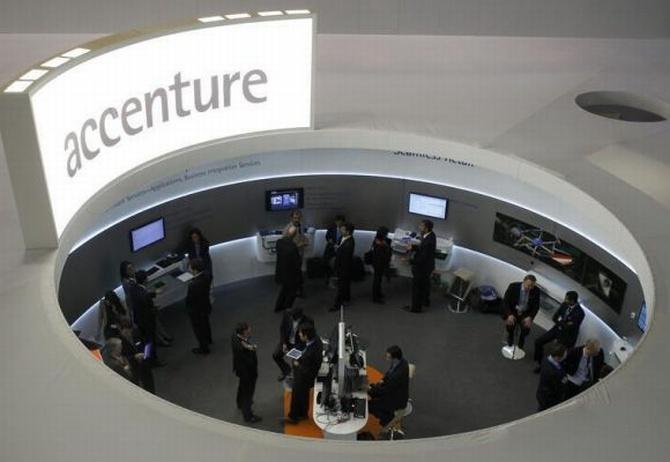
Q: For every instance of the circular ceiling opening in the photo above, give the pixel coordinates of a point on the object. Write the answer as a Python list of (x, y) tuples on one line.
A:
[(623, 106)]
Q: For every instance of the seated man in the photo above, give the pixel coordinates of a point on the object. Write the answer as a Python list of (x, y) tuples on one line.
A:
[(550, 390), (567, 320), (583, 365), (392, 392), (520, 305)]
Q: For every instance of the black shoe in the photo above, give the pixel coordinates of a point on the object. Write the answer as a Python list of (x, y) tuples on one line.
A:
[(536, 370), (333, 308), (199, 351), (281, 378), (290, 421), (379, 301), (157, 363), (253, 419), (409, 309), (165, 344)]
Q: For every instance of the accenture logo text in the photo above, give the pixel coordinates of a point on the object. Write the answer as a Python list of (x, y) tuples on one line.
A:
[(180, 99)]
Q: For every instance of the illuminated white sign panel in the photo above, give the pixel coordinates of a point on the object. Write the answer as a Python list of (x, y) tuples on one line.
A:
[(112, 113)]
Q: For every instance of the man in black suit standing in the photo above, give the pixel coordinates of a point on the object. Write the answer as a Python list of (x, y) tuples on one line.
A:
[(423, 264), (392, 392), (289, 338), (520, 305), (582, 365), (288, 271), (550, 390), (305, 370), (333, 237), (567, 320), (245, 366), (344, 257), (199, 306)]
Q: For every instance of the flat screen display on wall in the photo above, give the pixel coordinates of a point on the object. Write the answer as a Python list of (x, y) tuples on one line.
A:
[(147, 234), (428, 206), (555, 252), (285, 199)]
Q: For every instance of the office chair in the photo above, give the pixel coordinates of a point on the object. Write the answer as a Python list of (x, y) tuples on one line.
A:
[(394, 428), (459, 289)]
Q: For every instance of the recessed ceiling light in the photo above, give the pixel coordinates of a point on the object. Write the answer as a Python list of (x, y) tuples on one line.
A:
[(76, 52), (211, 19), (270, 13), (33, 74), (238, 16), (18, 86), (297, 11), (55, 62)]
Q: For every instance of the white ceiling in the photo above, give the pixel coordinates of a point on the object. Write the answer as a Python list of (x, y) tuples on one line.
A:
[(534, 18)]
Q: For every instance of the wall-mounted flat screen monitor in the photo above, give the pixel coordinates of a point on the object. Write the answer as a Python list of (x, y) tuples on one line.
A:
[(642, 317), (147, 234), (428, 206), (284, 199)]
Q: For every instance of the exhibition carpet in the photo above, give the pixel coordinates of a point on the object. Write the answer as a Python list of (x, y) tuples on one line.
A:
[(462, 381)]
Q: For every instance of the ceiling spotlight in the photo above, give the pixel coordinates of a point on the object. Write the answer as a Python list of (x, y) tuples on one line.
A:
[(76, 52), (18, 86), (270, 13), (211, 19), (238, 16), (33, 74), (297, 11), (55, 62)]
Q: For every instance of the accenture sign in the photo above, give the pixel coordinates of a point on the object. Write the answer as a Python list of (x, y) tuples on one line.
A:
[(116, 111)]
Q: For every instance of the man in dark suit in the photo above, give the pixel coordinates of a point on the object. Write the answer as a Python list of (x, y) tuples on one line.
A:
[(423, 264), (289, 338), (305, 371), (199, 306), (520, 305), (567, 320), (550, 390), (288, 271), (344, 257), (245, 366), (392, 392), (333, 237), (583, 365), (145, 314)]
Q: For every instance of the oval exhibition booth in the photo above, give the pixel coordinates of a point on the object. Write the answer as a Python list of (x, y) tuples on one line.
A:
[(111, 166)]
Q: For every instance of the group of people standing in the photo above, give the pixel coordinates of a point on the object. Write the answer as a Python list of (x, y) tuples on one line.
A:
[(338, 259)]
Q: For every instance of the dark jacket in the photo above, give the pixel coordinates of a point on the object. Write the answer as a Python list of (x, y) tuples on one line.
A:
[(568, 326), (289, 263), (511, 299), (309, 364), (331, 242), (203, 253), (145, 310), (393, 392), (381, 254), (245, 361), (423, 261), (550, 389), (574, 355), (197, 297), (344, 258), (286, 327)]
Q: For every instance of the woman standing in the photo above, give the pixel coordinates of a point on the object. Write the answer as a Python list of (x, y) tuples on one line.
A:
[(381, 260)]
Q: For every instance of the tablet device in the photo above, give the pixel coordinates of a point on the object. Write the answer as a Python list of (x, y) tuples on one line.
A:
[(294, 353)]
